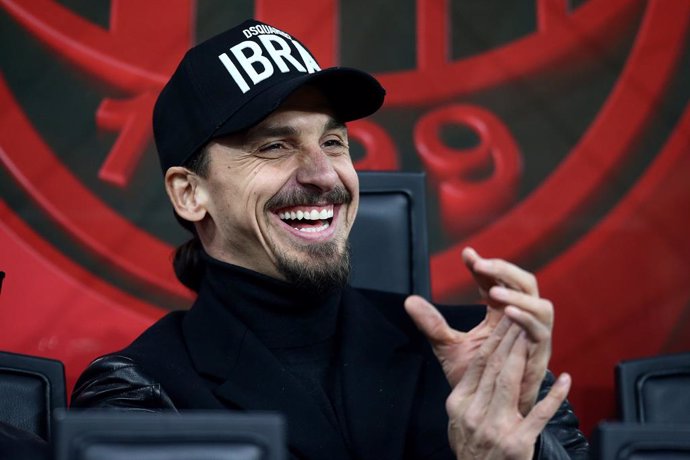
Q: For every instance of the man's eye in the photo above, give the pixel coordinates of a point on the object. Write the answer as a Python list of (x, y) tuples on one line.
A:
[(269, 147), (333, 143), (273, 149)]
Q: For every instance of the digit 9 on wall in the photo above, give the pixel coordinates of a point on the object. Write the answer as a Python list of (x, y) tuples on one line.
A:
[(476, 183)]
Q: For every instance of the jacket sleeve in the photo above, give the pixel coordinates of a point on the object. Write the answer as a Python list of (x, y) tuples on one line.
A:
[(561, 438), (114, 381)]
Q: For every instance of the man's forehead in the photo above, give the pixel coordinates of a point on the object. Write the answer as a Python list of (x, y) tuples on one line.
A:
[(281, 125), (294, 121), (291, 119)]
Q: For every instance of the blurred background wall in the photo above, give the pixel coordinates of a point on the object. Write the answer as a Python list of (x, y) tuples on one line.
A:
[(554, 134)]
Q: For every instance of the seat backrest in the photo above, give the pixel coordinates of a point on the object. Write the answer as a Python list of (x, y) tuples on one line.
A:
[(388, 242), (31, 388), (654, 390), (635, 441), (195, 435)]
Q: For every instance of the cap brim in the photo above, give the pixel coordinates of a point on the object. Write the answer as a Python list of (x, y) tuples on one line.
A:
[(353, 94)]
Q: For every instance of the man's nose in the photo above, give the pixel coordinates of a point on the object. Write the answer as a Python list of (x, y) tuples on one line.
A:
[(316, 169)]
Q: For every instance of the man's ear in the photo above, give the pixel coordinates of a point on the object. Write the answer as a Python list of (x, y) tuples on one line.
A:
[(186, 193)]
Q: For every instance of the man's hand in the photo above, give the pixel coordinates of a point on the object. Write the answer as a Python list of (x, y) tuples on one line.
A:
[(508, 291), (484, 420)]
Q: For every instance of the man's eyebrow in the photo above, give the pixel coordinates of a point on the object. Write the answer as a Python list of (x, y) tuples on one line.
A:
[(334, 124), (287, 131), (271, 131)]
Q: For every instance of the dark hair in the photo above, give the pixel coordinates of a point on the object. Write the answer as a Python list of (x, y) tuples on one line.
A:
[(198, 162), (187, 260), (188, 263)]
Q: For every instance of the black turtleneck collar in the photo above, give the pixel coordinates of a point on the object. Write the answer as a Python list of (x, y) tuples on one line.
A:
[(280, 314)]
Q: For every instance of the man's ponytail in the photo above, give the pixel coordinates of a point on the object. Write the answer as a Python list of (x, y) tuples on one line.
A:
[(188, 263)]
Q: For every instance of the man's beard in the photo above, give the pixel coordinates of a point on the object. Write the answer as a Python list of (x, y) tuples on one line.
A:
[(327, 271), (328, 264)]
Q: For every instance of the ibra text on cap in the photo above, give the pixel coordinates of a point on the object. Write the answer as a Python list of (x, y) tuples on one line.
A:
[(251, 56)]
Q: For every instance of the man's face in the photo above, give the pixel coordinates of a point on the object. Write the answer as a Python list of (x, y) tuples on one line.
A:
[(282, 196)]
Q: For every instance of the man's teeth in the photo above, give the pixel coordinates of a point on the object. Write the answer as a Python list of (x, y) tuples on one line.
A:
[(320, 228), (307, 215)]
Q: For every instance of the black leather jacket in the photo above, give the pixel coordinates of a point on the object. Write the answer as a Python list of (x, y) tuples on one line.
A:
[(113, 381), (206, 359)]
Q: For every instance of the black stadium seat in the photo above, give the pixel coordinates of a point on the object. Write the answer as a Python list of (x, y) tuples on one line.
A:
[(195, 435), (389, 244), (32, 388), (655, 389)]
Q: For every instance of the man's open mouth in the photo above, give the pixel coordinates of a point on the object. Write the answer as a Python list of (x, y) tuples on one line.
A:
[(309, 219)]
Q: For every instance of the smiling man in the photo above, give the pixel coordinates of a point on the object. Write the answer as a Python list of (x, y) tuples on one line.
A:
[(252, 140), (294, 194)]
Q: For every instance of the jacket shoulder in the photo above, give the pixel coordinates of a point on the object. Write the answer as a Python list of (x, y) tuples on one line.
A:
[(115, 381), (130, 378)]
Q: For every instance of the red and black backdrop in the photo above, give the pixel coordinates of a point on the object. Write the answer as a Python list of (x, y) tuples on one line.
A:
[(553, 134)]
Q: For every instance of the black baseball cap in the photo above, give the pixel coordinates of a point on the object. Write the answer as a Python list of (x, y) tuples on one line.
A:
[(234, 80)]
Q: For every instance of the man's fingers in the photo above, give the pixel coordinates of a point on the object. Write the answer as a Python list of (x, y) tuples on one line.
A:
[(493, 381), (475, 370), (470, 257), (545, 409), (502, 272), (534, 314), (430, 321), (509, 379), (493, 315), (536, 331), (537, 306)]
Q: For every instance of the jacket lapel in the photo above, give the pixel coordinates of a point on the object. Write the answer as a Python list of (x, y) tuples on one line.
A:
[(250, 377), (379, 377)]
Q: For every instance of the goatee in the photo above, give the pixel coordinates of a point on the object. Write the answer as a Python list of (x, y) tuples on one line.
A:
[(327, 271)]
